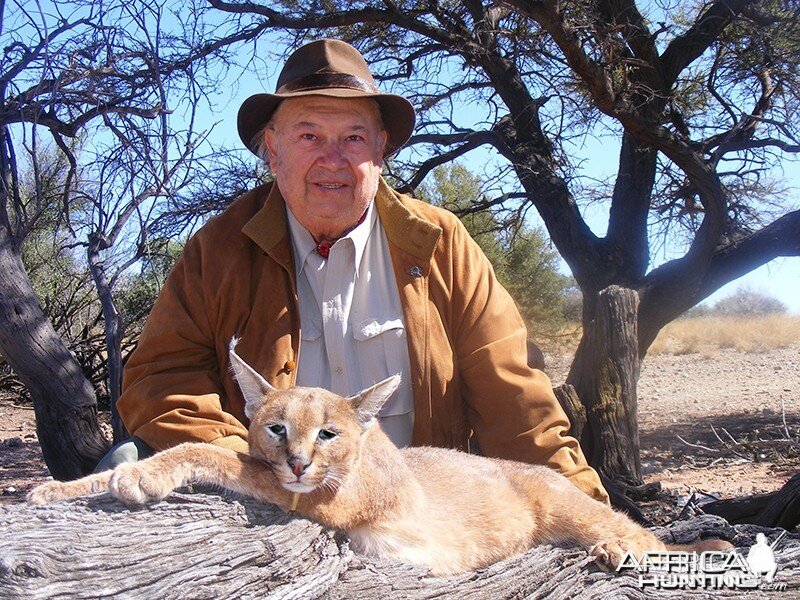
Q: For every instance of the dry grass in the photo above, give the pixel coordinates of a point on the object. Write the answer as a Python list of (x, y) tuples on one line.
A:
[(701, 335), (706, 335)]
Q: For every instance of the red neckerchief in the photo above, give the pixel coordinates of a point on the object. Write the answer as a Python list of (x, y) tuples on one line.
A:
[(324, 248)]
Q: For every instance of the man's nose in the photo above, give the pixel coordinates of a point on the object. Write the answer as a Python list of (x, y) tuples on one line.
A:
[(332, 155), (298, 464)]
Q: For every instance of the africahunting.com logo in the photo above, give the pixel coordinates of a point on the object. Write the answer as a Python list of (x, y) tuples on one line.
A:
[(708, 570)]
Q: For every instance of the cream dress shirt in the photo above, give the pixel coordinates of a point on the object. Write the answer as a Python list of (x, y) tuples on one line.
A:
[(352, 331)]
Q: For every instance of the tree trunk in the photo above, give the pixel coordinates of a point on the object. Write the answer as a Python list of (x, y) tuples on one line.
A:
[(576, 412), (209, 546), (604, 373), (114, 330), (63, 399)]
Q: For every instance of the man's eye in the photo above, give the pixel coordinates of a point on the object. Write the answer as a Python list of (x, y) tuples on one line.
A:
[(277, 429), (327, 434), (355, 138), (308, 136)]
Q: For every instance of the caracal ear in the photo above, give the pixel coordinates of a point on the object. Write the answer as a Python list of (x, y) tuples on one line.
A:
[(255, 388), (369, 401)]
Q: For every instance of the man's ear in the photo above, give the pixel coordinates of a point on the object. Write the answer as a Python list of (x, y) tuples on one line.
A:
[(271, 143), (384, 140), (369, 401), (255, 388)]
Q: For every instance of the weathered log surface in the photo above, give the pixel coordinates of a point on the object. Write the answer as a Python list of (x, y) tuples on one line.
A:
[(210, 546)]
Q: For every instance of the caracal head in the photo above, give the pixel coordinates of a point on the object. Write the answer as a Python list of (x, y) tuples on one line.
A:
[(309, 436)]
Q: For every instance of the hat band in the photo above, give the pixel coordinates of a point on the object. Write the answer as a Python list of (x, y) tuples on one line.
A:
[(320, 81)]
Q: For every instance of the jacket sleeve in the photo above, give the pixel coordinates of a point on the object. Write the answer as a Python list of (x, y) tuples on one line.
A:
[(172, 389), (510, 407)]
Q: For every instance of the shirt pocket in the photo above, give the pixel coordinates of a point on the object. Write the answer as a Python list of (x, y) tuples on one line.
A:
[(310, 331), (382, 351)]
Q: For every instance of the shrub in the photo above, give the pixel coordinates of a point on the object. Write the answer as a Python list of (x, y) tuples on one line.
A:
[(747, 302)]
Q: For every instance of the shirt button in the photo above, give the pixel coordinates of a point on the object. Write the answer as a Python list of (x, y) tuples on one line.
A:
[(338, 370)]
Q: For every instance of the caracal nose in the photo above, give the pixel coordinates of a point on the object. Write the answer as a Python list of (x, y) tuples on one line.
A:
[(298, 465)]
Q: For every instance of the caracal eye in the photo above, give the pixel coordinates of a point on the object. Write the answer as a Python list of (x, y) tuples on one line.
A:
[(277, 429), (327, 434)]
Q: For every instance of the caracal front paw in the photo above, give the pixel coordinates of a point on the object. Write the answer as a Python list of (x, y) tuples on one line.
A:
[(48, 492), (138, 483), (610, 553)]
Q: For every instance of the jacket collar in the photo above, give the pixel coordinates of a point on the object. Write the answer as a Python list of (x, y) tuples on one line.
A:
[(405, 230), (269, 228)]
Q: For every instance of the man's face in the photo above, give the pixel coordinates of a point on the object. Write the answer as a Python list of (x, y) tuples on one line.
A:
[(326, 154)]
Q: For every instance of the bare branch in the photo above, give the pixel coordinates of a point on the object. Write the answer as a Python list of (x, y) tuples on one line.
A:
[(685, 49)]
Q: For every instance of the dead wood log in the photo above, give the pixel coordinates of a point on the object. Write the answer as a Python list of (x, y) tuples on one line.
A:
[(211, 546), (776, 509)]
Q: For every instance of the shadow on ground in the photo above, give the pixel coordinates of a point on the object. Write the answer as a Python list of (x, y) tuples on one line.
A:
[(756, 437)]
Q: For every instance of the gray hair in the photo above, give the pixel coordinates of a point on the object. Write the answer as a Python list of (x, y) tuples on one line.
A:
[(260, 141)]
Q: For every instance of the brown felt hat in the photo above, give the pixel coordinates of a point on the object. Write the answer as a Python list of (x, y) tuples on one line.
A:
[(327, 68)]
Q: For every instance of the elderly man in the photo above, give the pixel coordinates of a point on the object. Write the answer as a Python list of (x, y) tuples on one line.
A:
[(332, 279)]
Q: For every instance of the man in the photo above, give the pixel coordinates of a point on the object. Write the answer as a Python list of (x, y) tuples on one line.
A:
[(332, 279)]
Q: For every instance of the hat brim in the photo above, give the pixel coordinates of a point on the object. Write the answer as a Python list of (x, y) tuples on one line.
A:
[(397, 114)]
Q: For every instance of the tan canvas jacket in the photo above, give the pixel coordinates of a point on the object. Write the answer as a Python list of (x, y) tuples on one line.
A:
[(466, 340)]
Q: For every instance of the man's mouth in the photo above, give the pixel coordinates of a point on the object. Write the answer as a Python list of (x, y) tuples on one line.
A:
[(332, 186)]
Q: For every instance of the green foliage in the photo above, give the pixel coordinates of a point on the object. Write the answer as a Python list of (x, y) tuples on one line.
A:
[(522, 258), (68, 298), (59, 278), (136, 294)]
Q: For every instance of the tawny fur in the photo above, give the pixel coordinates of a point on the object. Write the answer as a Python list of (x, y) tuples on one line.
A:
[(441, 508)]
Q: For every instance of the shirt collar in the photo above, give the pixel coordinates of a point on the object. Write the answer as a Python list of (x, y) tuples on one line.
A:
[(304, 244), (360, 235)]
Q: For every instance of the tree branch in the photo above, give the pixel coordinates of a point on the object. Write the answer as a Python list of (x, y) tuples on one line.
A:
[(471, 141), (685, 49), (737, 258), (666, 295)]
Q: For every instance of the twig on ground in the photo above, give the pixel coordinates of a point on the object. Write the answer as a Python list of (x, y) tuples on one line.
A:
[(696, 445), (728, 446), (783, 418)]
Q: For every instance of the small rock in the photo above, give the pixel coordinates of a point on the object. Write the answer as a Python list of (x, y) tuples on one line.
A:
[(9, 490)]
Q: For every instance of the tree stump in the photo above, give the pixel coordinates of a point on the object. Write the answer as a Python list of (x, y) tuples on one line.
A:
[(211, 546), (604, 373)]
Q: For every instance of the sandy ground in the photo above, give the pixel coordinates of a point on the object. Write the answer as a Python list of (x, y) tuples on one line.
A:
[(716, 426), (726, 425)]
